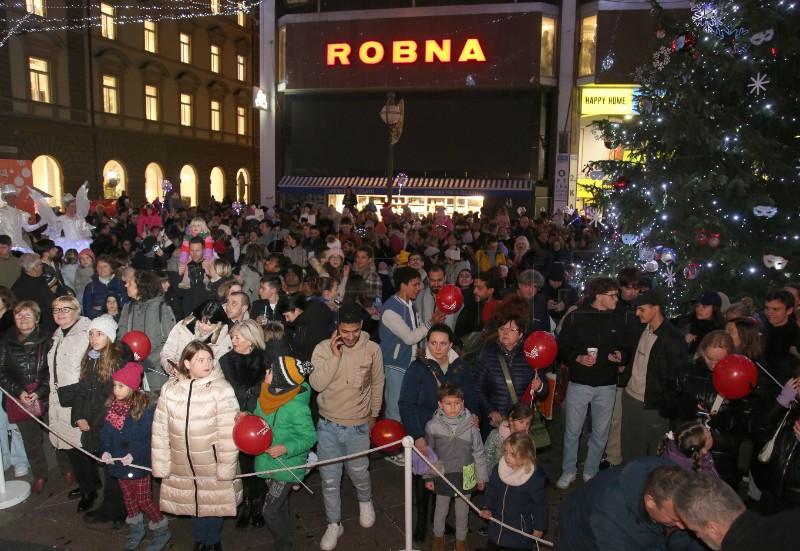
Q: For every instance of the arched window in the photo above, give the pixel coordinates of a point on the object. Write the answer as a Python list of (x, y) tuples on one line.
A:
[(115, 179), (243, 186), (217, 183), (189, 185), (153, 176), (47, 177)]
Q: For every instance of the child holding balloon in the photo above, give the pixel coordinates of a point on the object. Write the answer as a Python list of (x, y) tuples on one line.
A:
[(193, 450), (284, 404)]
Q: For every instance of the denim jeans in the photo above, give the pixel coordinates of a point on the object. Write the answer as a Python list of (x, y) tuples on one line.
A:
[(392, 384), (336, 441), (207, 530), (13, 455), (579, 397), (276, 513)]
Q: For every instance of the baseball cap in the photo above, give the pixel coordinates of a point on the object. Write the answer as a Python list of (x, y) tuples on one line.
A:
[(651, 297), (709, 298)]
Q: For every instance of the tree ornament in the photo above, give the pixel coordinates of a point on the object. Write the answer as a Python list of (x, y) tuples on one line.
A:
[(621, 183), (758, 84), (765, 211), (166, 186), (629, 238), (691, 271), (774, 261), (661, 58), (667, 256), (669, 276), (685, 42), (651, 266), (701, 238), (759, 38), (713, 240), (647, 254), (660, 33), (705, 15)]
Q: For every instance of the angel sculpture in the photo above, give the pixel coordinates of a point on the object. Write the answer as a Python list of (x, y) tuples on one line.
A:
[(70, 230)]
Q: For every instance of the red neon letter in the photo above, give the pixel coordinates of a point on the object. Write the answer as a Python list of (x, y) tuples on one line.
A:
[(434, 50), (339, 52), (472, 51), (377, 52), (404, 51)]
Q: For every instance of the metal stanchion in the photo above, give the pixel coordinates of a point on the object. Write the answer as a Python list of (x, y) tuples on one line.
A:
[(408, 444)]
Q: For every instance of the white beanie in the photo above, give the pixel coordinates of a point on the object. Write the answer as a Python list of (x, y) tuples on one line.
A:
[(106, 325)]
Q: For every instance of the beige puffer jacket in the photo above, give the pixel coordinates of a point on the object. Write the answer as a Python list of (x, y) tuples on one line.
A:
[(180, 336), (64, 361), (201, 447)]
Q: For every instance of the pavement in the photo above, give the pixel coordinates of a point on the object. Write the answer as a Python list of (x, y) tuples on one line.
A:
[(50, 521)]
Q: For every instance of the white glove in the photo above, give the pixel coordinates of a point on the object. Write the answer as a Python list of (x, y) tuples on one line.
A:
[(127, 460)]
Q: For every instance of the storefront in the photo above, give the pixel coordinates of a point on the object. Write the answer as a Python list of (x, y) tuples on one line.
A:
[(477, 91)]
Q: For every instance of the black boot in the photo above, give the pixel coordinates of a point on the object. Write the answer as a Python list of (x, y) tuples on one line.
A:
[(257, 513), (86, 502), (422, 496), (243, 520)]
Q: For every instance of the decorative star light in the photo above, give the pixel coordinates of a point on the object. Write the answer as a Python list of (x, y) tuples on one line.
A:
[(595, 218), (669, 276), (758, 84), (705, 15)]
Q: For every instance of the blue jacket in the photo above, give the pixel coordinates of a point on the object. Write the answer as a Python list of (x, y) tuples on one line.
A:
[(608, 513), (134, 439), (96, 293), (490, 383), (524, 507), (419, 397), (396, 353)]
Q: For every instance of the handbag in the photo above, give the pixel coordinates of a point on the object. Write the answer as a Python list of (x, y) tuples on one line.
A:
[(538, 430), (766, 452), (17, 411)]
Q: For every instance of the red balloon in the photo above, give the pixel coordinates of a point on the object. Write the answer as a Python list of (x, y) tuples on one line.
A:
[(449, 299), (540, 349), (388, 430), (252, 434), (139, 343), (735, 377)]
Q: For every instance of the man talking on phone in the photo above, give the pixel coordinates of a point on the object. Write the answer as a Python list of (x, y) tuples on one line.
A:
[(348, 374)]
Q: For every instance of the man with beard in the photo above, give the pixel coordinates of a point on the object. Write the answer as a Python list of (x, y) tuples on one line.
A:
[(426, 300), (473, 317)]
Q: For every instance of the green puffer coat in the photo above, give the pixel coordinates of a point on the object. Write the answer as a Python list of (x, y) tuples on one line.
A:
[(291, 426)]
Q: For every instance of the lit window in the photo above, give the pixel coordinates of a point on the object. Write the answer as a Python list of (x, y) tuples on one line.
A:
[(35, 7), (151, 102), (241, 64), (241, 16), (547, 63), (216, 116), (150, 43), (110, 95), (107, 27), (215, 6), (241, 121), (186, 48), (186, 110), (40, 79), (586, 61), (215, 55)]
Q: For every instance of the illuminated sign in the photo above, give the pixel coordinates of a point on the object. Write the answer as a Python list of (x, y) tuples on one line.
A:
[(260, 99), (607, 101), (406, 51)]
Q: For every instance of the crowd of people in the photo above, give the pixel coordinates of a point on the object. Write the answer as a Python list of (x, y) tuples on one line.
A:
[(323, 321)]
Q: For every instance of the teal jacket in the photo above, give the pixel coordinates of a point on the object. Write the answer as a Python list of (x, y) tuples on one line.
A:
[(291, 426)]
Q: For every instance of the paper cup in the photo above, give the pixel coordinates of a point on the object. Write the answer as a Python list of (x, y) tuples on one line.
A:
[(592, 352)]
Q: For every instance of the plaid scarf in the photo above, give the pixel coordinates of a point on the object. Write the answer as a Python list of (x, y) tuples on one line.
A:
[(117, 412)]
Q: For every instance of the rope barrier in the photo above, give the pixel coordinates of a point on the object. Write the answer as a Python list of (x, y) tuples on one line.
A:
[(304, 466)]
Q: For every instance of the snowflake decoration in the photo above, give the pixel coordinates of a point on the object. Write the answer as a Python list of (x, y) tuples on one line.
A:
[(595, 218), (661, 58), (669, 276), (758, 84), (608, 62), (705, 16)]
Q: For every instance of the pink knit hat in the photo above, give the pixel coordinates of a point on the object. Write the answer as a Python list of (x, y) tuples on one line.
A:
[(130, 375)]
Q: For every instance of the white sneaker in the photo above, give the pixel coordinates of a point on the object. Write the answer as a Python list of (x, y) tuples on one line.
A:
[(331, 537), (366, 514), (565, 480), (587, 477), (398, 459), (19, 472)]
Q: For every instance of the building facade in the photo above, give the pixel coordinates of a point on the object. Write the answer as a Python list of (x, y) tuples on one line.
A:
[(127, 96)]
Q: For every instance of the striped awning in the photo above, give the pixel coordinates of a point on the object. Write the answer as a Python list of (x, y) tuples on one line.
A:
[(485, 187)]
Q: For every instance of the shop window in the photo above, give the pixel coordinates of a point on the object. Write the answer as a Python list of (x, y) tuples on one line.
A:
[(186, 48), (241, 121), (110, 95), (186, 110), (107, 25), (241, 16), (151, 102), (586, 60), (215, 6), (216, 115), (40, 79), (48, 177), (241, 67), (548, 57), (189, 185), (150, 37), (215, 55), (115, 179), (35, 7)]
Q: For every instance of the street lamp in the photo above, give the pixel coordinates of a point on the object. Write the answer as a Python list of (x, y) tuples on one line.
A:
[(392, 115)]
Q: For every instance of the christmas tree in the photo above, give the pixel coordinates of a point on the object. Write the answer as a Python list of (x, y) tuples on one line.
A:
[(707, 195)]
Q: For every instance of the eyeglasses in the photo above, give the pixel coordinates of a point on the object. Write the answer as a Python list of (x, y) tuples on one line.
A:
[(24, 316), (63, 310), (508, 330), (614, 296), (414, 260)]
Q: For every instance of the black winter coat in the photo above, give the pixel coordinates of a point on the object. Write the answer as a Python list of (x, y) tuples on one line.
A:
[(24, 362), (780, 476), (586, 327), (309, 329), (245, 373), (694, 386), (27, 287)]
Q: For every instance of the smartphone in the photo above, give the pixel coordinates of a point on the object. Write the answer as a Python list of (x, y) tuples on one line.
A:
[(338, 336)]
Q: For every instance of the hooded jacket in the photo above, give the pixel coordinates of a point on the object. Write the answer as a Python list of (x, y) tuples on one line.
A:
[(193, 437), (518, 499), (460, 450)]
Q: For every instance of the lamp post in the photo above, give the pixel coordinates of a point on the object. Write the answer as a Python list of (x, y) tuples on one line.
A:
[(392, 115)]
